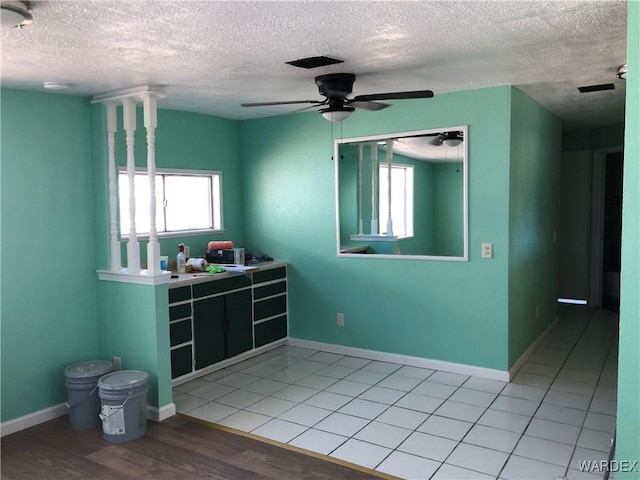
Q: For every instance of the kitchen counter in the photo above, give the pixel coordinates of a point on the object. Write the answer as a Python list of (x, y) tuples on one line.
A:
[(201, 277)]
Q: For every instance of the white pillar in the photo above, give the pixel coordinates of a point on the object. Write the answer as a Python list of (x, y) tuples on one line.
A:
[(151, 122), (389, 162), (374, 188), (129, 122), (360, 226), (116, 260)]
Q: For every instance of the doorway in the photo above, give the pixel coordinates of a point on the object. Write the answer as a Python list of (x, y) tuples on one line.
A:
[(590, 229), (612, 231)]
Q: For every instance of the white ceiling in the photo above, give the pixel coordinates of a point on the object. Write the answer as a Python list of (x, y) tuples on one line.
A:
[(213, 55)]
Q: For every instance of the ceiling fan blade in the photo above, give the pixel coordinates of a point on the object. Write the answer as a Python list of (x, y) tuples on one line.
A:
[(268, 104), (437, 140), (315, 105), (394, 96), (373, 106)]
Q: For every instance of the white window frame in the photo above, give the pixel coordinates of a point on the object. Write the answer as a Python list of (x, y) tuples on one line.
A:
[(124, 235), (408, 199)]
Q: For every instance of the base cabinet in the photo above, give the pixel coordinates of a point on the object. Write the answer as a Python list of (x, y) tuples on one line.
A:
[(221, 319), (208, 332)]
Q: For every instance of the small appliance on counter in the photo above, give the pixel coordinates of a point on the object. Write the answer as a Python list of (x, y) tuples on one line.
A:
[(222, 252), (226, 256)]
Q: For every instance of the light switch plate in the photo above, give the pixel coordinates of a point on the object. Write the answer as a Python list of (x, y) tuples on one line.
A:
[(487, 250)]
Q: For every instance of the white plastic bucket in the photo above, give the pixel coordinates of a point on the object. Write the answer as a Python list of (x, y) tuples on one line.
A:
[(81, 380), (124, 405)]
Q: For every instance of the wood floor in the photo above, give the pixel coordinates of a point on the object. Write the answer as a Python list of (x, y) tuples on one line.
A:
[(180, 448)]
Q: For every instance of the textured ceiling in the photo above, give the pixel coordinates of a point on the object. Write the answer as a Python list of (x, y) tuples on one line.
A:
[(213, 55)]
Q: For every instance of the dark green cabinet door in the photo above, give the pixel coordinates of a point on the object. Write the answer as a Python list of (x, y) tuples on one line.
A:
[(239, 324), (181, 362), (209, 331)]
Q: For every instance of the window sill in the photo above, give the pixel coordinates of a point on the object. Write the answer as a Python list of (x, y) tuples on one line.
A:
[(182, 233)]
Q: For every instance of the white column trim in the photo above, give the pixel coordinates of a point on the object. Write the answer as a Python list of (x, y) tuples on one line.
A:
[(129, 122), (112, 128), (374, 188), (149, 103)]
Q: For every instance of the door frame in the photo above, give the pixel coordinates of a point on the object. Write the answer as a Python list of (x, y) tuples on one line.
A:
[(598, 159)]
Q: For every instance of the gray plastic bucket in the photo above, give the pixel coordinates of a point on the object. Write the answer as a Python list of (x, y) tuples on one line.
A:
[(81, 380), (124, 405)]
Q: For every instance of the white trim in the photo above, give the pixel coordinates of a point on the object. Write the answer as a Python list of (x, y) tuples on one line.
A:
[(460, 368), (375, 238), (137, 92), (529, 351), (32, 419), (142, 278), (159, 414)]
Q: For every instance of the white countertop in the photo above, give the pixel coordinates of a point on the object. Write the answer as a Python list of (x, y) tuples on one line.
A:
[(201, 277)]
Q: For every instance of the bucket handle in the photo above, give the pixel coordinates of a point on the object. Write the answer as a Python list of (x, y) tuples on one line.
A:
[(69, 406), (119, 407)]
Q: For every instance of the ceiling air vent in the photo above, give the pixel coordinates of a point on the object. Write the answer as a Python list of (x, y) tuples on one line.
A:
[(314, 62), (596, 88)]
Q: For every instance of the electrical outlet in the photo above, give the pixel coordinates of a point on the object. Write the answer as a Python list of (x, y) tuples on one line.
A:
[(187, 252), (340, 319), (487, 250), (117, 363)]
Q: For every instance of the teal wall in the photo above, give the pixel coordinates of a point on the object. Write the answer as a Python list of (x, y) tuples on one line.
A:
[(402, 306), (134, 325), (448, 209), (628, 428), (183, 140), (533, 222), (48, 271), (593, 138)]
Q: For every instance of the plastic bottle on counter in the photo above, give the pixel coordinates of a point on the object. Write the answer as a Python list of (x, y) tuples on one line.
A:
[(181, 259)]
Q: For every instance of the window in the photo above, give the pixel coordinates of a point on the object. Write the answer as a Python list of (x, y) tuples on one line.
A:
[(185, 202), (401, 199)]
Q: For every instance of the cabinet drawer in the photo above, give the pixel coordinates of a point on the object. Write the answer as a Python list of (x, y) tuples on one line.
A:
[(180, 332), (269, 290), (181, 361), (177, 312), (268, 275), (270, 331), (179, 294), (269, 308), (220, 286)]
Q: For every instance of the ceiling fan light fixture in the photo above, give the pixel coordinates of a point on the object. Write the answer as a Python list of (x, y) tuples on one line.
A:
[(55, 85), (336, 114), (15, 14), (622, 72), (452, 142)]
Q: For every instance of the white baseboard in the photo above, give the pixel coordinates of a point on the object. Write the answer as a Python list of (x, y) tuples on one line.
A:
[(41, 416), (32, 419), (159, 414), (529, 351), (460, 368)]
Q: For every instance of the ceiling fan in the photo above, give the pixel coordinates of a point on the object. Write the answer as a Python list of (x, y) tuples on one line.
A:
[(450, 139), (335, 87)]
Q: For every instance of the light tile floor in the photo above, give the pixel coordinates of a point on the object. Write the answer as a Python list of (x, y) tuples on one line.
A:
[(417, 423)]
